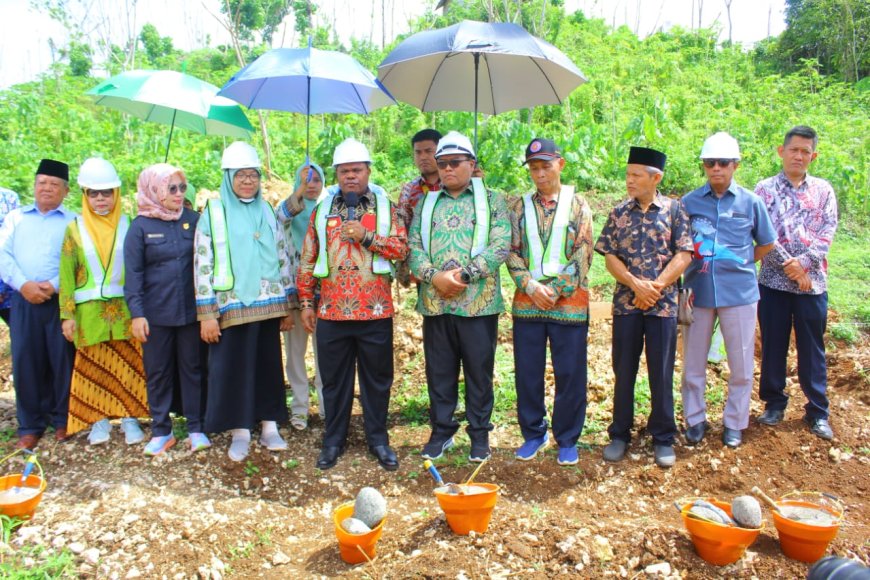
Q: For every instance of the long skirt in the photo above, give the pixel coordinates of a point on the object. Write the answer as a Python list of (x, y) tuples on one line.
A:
[(108, 381)]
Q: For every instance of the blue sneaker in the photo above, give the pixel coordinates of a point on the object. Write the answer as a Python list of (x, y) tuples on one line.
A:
[(530, 448), (100, 432), (568, 456), (435, 449), (159, 445)]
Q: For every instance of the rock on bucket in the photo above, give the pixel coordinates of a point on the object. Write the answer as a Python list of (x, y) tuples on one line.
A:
[(470, 510), (717, 543), (359, 524)]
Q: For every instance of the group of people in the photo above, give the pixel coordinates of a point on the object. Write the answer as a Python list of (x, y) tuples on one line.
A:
[(177, 311)]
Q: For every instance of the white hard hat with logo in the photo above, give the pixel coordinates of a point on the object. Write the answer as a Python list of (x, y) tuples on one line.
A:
[(720, 145), (240, 155), (97, 173), (350, 151), (454, 143)]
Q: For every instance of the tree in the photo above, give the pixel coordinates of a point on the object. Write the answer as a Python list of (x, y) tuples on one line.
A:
[(156, 47)]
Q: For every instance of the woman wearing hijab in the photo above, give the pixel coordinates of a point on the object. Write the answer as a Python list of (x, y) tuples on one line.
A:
[(108, 380), (244, 273), (158, 253), (295, 213)]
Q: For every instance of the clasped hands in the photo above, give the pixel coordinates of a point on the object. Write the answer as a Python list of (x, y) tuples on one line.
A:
[(793, 269), (449, 283), (647, 293)]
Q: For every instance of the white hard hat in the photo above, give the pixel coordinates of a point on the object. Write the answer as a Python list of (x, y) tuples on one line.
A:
[(97, 173), (240, 155), (454, 143), (350, 151), (720, 145)]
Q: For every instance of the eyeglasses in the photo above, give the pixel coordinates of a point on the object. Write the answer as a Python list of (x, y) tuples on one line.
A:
[(173, 189), (710, 163), (453, 163), (250, 176), (95, 193)]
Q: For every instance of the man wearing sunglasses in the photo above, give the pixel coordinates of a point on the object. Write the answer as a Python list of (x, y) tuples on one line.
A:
[(42, 360), (731, 231), (459, 238), (793, 282)]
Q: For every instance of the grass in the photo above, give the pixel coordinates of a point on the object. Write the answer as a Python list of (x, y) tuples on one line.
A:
[(848, 287), (46, 564)]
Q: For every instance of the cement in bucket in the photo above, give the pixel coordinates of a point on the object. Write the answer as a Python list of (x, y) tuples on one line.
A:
[(801, 541), (22, 503), (352, 546), (469, 512)]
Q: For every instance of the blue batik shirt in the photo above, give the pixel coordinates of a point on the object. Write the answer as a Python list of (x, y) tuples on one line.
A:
[(725, 231)]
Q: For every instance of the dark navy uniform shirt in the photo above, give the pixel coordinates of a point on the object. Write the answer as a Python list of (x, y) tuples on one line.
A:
[(158, 257)]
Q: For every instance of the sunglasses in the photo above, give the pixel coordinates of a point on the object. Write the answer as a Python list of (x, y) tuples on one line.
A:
[(173, 189), (711, 163), (252, 176), (95, 193), (453, 163)]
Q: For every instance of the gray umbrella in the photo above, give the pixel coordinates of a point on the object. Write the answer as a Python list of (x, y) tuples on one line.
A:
[(477, 66)]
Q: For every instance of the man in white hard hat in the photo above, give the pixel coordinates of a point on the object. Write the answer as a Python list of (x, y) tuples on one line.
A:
[(42, 360), (793, 282), (354, 234), (459, 238), (730, 231)]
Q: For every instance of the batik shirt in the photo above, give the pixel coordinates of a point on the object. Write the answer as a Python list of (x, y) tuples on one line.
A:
[(450, 247), (351, 291), (805, 219), (8, 202), (646, 242), (572, 285)]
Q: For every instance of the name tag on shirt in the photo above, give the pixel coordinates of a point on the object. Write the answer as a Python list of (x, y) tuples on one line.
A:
[(152, 236)]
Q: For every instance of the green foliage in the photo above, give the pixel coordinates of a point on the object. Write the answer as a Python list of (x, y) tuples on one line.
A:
[(256, 16), (38, 563), (8, 525)]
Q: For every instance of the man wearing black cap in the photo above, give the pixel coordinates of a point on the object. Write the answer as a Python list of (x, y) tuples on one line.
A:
[(647, 244), (551, 251), (42, 359)]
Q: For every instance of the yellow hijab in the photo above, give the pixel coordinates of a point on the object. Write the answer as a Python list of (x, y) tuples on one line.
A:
[(102, 228)]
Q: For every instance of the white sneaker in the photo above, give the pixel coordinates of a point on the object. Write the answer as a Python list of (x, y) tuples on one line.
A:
[(100, 432), (273, 441), (133, 433)]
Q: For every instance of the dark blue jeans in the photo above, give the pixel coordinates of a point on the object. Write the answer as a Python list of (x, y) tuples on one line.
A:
[(778, 313), (568, 353)]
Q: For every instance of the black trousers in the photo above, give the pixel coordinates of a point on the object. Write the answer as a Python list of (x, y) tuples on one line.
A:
[(245, 378), (173, 362), (449, 340), (343, 349), (42, 362), (568, 353), (778, 313), (659, 334)]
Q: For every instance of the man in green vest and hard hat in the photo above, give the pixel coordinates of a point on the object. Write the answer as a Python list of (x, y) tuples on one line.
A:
[(551, 251), (354, 234), (459, 238)]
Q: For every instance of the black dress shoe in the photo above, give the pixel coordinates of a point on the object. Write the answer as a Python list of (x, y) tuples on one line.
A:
[(771, 417), (820, 428), (695, 433), (385, 456), (329, 457), (732, 437)]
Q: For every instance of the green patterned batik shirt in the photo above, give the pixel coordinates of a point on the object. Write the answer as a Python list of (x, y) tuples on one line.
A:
[(450, 247)]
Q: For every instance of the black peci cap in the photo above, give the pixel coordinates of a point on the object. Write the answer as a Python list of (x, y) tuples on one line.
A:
[(53, 168), (648, 157)]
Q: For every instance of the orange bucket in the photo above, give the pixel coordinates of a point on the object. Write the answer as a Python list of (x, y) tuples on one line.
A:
[(23, 509), (718, 544), (466, 513), (800, 541), (355, 548)]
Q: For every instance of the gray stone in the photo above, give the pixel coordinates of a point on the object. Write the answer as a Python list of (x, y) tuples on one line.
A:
[(355, 526), (708, 514), (370, 507), (746, 511)]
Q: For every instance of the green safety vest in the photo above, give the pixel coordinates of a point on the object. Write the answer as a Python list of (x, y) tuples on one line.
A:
[(222, 274), (480, 236), (380, 265), (99, 286), (549, 262)]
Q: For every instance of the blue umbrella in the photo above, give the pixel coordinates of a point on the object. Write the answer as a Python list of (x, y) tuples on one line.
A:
[(309, 81), (489, 67)]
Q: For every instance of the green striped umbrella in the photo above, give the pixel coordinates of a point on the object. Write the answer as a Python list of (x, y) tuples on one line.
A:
[(175, 99)]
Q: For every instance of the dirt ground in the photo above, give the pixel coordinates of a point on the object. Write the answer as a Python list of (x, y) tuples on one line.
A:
[(202, 516)]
